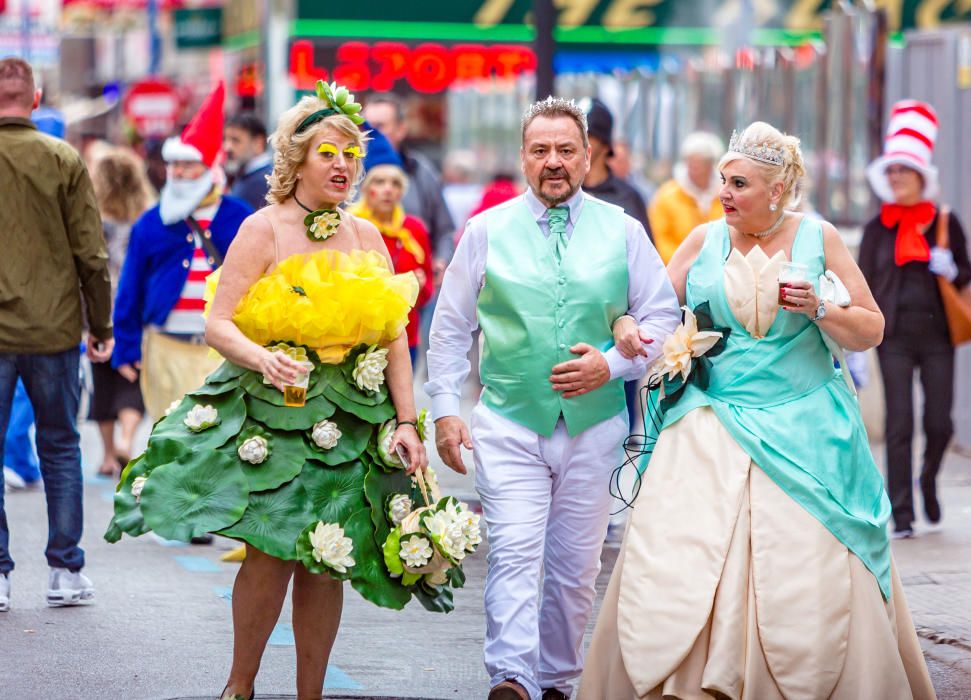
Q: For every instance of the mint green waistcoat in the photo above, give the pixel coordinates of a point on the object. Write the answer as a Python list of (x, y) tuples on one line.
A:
[(532, 310)]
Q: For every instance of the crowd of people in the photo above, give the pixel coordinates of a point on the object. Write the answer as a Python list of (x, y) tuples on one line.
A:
[(311, 255)]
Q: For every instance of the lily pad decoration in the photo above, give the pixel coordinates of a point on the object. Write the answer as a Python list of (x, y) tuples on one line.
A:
[(128, 515), (284, 461), (370, 576), (231, 414), (378, 487), (373, 413), (294, 417), (215, 389), (355, 435), (334, 494), (273, 520), (226, 372), (202, 492)]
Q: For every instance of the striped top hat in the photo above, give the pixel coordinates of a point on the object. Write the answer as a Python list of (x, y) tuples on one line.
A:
[(910, 139)]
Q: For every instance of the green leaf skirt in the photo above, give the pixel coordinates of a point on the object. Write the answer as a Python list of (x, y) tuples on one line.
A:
[(190, 482)]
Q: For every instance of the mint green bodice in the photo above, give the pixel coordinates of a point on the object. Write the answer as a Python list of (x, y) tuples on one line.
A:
[(785, 404), (532, 310)]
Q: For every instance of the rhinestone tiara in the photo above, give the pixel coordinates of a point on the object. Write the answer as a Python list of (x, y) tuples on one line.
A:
[(764, 153)]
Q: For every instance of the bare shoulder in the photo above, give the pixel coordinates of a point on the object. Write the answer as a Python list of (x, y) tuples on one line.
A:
[(696, 239), (370, 236), (254, 240), (691, 246), (832, 238)]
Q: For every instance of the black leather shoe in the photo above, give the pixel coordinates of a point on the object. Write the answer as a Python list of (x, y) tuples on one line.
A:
[(508, 690), (554, 694)]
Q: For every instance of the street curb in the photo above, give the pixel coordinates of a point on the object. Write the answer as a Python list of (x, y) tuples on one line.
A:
[(942, 639)]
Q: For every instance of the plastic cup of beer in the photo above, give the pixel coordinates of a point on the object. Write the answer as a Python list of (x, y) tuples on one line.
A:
[(791, 272), (296, 394)]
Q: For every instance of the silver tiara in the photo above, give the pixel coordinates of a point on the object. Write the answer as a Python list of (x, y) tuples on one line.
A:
[(763, 153)]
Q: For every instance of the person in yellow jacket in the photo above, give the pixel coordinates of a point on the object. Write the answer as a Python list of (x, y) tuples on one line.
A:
[(690, 198)]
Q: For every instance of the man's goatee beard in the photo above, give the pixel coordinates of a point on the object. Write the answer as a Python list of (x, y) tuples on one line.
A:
[(180, 197)]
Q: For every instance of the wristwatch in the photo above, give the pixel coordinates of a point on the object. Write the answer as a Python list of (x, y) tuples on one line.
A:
[(820, 312)]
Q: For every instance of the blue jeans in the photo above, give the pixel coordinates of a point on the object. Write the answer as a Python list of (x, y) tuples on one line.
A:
[(18, 448), (54, 388)]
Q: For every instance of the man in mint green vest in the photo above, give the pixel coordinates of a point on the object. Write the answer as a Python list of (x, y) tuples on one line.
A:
[(544, 277)]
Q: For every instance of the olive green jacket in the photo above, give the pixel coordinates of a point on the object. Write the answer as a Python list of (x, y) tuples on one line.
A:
[(52, 246)]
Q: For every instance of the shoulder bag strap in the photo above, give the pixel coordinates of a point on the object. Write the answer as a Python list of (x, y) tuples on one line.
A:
[(943, 239), (206, 238)]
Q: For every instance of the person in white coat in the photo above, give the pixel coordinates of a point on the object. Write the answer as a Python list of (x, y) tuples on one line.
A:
[(544, 276)]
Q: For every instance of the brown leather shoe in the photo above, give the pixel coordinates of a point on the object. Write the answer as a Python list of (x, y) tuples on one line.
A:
[(508, 690), (554, 694)]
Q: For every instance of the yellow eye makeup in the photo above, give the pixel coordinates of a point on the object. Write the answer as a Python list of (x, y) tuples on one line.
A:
[(327, 148), (352, 152)]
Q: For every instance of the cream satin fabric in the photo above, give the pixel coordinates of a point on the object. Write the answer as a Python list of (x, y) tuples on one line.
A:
[(724, 584), (171, 369), (752, 288)]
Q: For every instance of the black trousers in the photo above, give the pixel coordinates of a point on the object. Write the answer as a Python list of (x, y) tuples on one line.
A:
[(919, 344)]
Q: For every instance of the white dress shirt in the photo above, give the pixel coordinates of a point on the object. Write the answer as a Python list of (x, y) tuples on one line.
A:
[(651, 300)]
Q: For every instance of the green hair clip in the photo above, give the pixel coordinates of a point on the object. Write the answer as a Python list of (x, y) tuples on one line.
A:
[(338, 101)]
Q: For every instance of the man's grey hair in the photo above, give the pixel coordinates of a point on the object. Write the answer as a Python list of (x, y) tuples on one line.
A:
[(553, 107)]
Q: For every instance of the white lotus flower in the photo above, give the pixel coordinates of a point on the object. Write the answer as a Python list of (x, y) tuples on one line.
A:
[(326, 434), (137, 484), (471, 529), (369, 369), (201, 417), (172, 406), (447, 529), (331, 547), (398, 508), (686, 343), (416, 552), (453, 541), (254, 450)]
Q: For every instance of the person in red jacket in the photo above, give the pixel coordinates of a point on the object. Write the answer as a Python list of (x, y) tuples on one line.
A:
[(405, 235)]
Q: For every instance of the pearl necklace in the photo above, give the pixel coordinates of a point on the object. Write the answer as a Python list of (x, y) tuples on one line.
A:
[(769, 231)]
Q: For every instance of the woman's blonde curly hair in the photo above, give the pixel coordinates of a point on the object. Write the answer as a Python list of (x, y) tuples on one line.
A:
[(290, 148)]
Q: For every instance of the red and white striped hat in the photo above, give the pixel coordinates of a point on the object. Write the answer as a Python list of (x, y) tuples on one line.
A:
[(911, 135)]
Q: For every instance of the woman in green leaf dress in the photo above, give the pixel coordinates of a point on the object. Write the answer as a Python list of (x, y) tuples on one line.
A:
[(306, 488)]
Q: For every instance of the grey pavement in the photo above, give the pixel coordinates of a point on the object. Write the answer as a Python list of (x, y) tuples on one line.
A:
[(160, 626)]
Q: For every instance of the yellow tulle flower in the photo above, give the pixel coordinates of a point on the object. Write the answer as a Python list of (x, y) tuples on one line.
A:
[(328, 300)]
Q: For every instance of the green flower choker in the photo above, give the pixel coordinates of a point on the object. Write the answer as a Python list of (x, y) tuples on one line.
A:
[(321, 223)]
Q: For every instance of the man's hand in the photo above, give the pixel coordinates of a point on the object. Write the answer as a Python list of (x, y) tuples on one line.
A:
[(438, 271), (630, 340), (130, 372), (451, 436), (99, 350), (581, 376)]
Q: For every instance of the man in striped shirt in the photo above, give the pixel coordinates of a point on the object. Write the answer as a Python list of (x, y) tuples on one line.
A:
[(172, 249)]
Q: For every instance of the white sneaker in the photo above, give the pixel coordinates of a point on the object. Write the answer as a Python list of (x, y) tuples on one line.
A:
[(4, 592), (68, 588)]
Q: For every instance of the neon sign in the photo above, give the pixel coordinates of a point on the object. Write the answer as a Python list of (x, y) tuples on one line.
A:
[(427, 67)]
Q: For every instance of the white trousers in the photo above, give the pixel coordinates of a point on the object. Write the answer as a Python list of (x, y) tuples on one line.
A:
[(546, 501)]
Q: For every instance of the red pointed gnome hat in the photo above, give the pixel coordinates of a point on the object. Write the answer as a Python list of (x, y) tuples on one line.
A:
[(203, 136), (910, 139)]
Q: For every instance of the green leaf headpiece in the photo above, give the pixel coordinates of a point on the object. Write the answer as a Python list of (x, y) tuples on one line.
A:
[(338, 101)]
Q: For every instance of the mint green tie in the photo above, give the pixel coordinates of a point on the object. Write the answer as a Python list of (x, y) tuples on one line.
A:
[(558, 240)]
